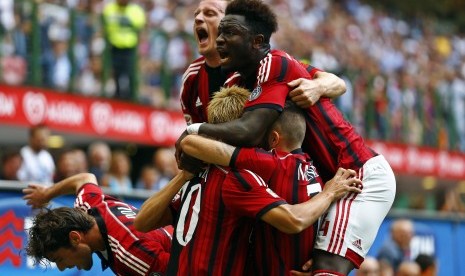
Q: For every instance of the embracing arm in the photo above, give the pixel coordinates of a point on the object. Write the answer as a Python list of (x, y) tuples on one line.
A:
[(292, 219), (38, 195), (307, 92), (155, 212), (246, 131), (207, 150)]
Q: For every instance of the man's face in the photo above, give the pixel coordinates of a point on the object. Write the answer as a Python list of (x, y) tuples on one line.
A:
[(234, 43), (79, 256), (207, 17), (40, 138)]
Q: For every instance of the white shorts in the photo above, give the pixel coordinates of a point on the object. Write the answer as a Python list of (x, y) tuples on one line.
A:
[(350, 226)]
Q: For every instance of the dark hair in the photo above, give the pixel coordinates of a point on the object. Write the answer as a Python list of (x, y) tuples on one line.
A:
[(425, 261), (50, 230), (259, 16), (10, 154), (291, 124)]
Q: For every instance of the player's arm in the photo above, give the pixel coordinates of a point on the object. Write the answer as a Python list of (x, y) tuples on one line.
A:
[(155, 212), (306, 92), (247, 131), (38, 195), (208, 150), (293, 219)]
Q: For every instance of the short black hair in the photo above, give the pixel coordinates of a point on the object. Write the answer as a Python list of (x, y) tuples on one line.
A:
[(425, 261), (258, 16)]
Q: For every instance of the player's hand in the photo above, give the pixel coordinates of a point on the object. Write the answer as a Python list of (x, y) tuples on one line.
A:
[(305, 92), (36, 195), (191, 164), (178, 152), (343, 182), (306, 267)]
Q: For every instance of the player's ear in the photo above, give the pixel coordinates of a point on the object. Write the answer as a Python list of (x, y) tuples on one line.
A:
[(273, 139), (74, 238), (258, 40)]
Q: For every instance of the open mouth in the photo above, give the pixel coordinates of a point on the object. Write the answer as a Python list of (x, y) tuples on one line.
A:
[(202, 35), (223, 55)]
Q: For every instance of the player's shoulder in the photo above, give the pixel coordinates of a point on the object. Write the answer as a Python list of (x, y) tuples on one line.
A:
[(279, 55), (193, 68), (196, 63)]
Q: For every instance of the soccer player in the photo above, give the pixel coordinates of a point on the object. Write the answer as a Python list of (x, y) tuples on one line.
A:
[(98, 224), (350, 226), (216, 215), (204, 76)]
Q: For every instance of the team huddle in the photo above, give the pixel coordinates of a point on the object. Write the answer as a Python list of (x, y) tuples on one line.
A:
[(273, 179)]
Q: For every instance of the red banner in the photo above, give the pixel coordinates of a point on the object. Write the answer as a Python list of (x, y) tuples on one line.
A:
[(420, 161), (93, 116), (140, 124)]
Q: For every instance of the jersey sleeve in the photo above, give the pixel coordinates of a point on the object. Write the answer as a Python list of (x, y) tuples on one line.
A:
[(88, 196), (257, 160), (189, 93), (159, 242), (310, 69), (271, 89), (247, 194)]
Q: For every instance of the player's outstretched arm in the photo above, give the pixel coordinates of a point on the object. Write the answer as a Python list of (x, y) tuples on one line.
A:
[(155, 212), (307, 92), (293, 219), (38, 195), (207, 150)]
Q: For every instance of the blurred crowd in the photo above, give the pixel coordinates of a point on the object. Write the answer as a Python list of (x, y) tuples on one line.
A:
[(36, 163), (400, 255), (405, 76)]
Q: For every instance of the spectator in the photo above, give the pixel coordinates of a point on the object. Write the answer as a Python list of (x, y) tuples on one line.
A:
[(81, 160), (165, 162), (66, 165), (57, 65), (11, 163), (99, 155), (396, 249), (452, 200), (409, 268), (148, 179), (117, 177), (369, 267), (427, 265), (38, 164), (123, 21)]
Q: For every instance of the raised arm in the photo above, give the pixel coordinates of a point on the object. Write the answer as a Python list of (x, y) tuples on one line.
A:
[(307, 92), (293, 219), (154, 213), (207, 150), (38, 195)]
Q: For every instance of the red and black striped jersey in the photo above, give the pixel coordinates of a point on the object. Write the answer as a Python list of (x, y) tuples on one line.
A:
[(128, 251), (331, 141), (214, 222), (199, 83), (293, 177)]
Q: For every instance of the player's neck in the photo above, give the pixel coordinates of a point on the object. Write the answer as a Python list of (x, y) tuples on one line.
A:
[(213, 60), (94, 239)]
